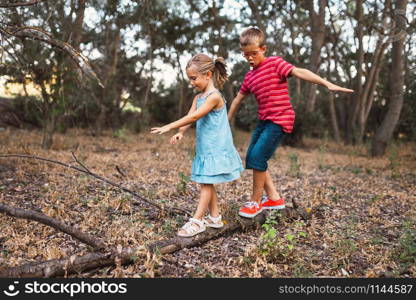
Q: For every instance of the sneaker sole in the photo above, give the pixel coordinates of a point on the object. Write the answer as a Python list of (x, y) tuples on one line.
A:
[(249, 215), (275, 207)]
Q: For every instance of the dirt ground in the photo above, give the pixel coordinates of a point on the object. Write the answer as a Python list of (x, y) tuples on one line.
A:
[(363, 222)]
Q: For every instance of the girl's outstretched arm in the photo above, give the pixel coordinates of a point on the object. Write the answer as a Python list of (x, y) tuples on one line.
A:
[(314, 78), (183, 129), (177, 137), (211, 102)]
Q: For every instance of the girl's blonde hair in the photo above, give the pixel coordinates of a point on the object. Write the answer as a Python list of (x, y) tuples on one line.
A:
[(204, 63)]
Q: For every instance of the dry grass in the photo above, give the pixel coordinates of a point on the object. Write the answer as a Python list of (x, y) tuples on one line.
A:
[(364, 207)]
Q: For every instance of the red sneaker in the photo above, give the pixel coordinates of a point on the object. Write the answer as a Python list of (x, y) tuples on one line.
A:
[(266, 203), (250, 210)]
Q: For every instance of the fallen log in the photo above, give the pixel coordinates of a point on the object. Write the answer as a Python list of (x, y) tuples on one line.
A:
[(90, 261), (96, 243), (72, 265), (236, 224)]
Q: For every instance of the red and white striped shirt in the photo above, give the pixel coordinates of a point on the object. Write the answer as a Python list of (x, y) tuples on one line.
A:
[(268, 83)]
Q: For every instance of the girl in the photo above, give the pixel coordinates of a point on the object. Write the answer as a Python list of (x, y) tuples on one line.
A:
[(216, 158)]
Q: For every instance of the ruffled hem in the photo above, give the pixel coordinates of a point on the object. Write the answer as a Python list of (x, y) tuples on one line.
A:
[(210, 165), (220, 178)]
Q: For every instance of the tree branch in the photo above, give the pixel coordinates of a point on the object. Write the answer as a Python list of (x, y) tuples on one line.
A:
[(171, 211), (41, 218), (72, 265), (19, 4), (40, 35)]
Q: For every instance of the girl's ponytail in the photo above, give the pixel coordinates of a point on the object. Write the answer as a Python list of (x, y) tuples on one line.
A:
[(204, 63), (220, 75)]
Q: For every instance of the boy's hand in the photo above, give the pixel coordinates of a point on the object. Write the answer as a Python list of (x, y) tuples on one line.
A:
[(160, 130), (176, 138), (336, 88)]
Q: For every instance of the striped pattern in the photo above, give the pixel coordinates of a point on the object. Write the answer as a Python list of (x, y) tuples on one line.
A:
[(268, 83)]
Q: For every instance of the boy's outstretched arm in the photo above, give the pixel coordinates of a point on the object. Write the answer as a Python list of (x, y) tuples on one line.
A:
[(235, 105), (314, 78)]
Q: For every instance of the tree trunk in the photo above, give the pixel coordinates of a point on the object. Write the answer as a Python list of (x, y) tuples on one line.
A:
[(47, 133), (334, 119), (355, 101), (256, 14), (385, 132), (362, 104), (317, 23)]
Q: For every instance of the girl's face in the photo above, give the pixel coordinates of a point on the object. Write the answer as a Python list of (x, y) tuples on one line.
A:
[(254, 54), (198, 80)]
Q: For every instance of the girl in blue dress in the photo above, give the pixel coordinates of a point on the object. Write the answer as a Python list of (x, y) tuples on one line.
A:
[(216, 159)]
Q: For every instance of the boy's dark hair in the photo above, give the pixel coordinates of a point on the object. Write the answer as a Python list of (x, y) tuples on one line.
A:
[(250, 36)]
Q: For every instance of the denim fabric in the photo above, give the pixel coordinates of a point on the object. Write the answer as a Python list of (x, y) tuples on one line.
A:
[(265, 139)]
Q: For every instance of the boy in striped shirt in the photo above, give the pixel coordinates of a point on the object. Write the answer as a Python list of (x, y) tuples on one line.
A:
[(267, 80)]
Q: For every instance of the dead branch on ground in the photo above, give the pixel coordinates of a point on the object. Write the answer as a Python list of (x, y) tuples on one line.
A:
[(85, 170), (97, 244)]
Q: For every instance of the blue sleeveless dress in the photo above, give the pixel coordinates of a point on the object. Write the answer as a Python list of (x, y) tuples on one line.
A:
[(216, 159)]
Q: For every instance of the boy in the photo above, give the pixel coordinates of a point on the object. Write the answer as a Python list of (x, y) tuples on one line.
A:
[(267, 80)]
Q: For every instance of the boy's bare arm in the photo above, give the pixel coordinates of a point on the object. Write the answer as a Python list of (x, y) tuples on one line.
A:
[(314, 78), (235, 105)]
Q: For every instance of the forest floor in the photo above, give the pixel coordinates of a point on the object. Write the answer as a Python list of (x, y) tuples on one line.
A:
[(364, 223)]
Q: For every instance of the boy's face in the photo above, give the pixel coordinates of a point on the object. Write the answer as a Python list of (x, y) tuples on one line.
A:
[(254, 54)]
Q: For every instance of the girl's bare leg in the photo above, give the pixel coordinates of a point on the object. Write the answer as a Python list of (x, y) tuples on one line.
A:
[(207, 191), (204, 200), (213, 204)]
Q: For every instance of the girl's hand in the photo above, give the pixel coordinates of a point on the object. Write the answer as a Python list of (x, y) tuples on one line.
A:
[(335, 88), (160, 130), (176, 138)]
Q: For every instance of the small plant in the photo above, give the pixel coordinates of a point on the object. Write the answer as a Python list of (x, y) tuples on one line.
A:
[(120, 133), (369, 171), (407, 242), (393, 159), (268, 238), (356, 170), (335, 197), (373, 198), (294, 170), (301, 271), (345, 244), (278, 248), (321, 155), (183, 182), (168, 227)]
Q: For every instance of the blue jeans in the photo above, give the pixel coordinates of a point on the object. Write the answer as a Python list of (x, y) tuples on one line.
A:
[(265, 139)]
